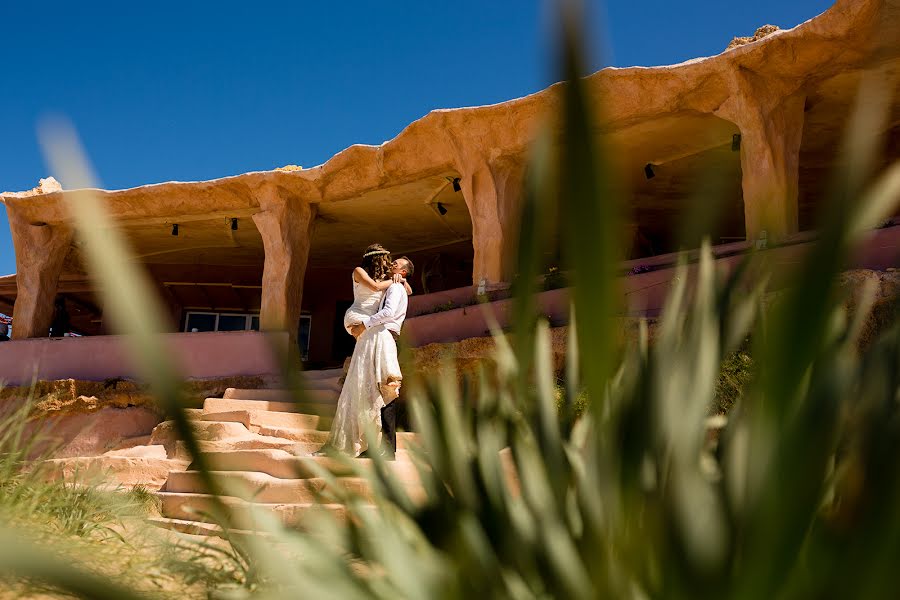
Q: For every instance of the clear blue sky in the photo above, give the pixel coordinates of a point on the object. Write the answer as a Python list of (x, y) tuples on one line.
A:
[(197, 90)]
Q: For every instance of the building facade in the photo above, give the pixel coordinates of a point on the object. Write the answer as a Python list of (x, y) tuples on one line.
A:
[(274, 250)]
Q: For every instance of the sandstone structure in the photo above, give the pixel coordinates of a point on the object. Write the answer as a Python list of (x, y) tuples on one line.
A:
[(758, 35), (257, 444), (87, 418), (769, 114)]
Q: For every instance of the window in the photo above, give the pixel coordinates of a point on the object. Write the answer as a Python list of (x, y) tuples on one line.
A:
[(200, 321), (303, 336), (211, 321), (233, 323)]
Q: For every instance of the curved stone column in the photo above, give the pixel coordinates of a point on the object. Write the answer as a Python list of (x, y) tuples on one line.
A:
[(40, 252), (493, 191), (770, 116), (286, 225)]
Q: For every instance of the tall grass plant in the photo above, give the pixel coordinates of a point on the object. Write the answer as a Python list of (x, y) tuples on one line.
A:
[(797, 498)]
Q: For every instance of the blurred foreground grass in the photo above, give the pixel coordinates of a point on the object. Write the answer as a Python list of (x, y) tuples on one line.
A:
[(85, 525), (798, 498)]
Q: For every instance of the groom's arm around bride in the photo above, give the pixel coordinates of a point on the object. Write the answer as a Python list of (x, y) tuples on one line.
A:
[(393, 307), (391, 315)]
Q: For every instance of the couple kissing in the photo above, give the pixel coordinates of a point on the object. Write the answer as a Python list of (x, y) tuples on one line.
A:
[(380, 292)]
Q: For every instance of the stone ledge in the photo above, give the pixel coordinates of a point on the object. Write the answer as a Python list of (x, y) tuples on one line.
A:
[(63, 397)]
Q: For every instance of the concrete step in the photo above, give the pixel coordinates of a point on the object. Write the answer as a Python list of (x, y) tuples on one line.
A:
[(283, 464), (198, 507), (189, 527), (131, 442), (166, 433), (256, 442), (324, 394), (201, 529), (222, 435), (332, 384), (262, 487), (127, 471), (408, 440), (145, 451), (214, 405), (305, 436), (253, 419), (319, 374), (226, 435)]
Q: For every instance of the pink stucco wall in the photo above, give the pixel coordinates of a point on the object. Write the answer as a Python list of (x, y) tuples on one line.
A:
[(644, 293), (220, 354), (198, 355)]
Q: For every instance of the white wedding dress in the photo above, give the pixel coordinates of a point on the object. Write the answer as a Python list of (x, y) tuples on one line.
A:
[(373, 378)]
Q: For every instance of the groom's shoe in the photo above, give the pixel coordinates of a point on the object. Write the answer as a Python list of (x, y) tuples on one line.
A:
[(323, 451), (380, 452)]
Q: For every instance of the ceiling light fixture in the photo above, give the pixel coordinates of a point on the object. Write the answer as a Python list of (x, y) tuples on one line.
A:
[(456, 186), (736, 142), (234, 224), (441, 208), (175, 229), (648, 171)]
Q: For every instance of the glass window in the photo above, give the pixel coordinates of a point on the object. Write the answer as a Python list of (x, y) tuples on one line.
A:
[(201, 322), (232, 322), (303, 336), (210, 321)]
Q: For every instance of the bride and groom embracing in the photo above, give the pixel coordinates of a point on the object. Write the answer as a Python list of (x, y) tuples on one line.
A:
[(373, 379)]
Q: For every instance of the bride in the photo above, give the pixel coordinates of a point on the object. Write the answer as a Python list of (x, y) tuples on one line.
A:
[(374, 362)]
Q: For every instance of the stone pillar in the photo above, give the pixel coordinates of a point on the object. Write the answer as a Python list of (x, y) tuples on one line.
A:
[(286, 225), (493, 192), (770, 118), (40, 252)]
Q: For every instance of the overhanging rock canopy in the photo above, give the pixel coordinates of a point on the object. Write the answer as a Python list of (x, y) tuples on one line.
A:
[(787, 95)]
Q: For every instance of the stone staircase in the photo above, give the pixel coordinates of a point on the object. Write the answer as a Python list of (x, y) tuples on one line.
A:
[(257, 443)]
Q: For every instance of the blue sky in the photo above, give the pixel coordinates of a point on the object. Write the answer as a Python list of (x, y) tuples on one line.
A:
[(197, 90)]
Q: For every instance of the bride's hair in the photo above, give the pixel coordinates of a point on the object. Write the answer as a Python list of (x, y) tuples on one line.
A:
[(377, 262)]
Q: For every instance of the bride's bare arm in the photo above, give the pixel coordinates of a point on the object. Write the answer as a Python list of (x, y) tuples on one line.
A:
[(361, 277)]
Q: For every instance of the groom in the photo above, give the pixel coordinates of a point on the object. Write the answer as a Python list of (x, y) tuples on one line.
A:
[(391, 315)]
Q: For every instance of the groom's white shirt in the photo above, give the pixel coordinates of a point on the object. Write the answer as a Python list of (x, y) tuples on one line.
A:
[(393, 309)]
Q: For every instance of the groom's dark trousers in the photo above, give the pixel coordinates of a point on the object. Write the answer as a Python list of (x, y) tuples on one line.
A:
[(389, 425), (389, 419)]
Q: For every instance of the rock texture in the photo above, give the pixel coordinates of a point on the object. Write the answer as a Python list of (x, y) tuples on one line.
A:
[(285, 224), (465, 357), (273, 473), (886, 300), (70, 396), (762, 32), (91, 433), (88, 418)]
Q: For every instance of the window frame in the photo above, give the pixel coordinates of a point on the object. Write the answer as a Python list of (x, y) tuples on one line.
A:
[(187, 318), (248, 324)]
